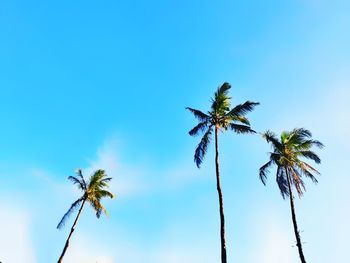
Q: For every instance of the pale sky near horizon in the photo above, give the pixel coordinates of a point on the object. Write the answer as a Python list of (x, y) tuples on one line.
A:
[(104, 84)]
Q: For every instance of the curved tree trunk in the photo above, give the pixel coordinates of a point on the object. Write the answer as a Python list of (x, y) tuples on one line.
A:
[(221, 201), (71, 232), (296, 231)]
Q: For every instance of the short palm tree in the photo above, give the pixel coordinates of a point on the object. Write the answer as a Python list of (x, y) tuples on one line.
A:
[(221, 117), (93, 191), (287, 155)]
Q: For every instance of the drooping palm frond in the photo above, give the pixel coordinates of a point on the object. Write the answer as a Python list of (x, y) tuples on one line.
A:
[(270, 137), (73, 207), (296, 180), (202, 117), (264, 170), (202, 147), (198, 128), (304, 170), (238, 128), (310, 155), (282, 182)]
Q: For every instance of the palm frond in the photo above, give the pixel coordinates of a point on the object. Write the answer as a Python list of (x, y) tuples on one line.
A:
[(308, 144), (97, 206), (310, 155), (80, 174), (298, 136), (223, 90), (264, 170), (281, 179), (242, 109), (73, 207), (198, 128), (75, 180), (310, 167), (239, 128), (201, 116), (241, 119), (270, 137), (202, 147), (95, 178), (105, 193), (221, 101), (305, 171), (297, 181)]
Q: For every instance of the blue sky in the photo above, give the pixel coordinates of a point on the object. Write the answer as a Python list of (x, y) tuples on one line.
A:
[(105, 84)]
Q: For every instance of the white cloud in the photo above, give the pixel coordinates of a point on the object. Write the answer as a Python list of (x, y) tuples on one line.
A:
[(15, 242), (127, 181), (138, 180)]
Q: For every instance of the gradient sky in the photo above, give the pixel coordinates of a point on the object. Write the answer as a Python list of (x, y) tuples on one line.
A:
[(104, 84)]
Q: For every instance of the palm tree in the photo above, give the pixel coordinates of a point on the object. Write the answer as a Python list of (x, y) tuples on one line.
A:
[(93, 192), (221, 117), (287, 155)]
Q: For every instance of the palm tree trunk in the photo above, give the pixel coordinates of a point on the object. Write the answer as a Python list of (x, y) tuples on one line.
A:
[(221, 201), (71, 232), (296, 231)]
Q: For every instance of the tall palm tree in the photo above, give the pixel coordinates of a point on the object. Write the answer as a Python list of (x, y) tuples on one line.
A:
[(221, 117), (93, 191), (287, 155)]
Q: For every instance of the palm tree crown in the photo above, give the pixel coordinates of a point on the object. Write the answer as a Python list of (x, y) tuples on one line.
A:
[(287, 155), (93, 191), (221, 116)]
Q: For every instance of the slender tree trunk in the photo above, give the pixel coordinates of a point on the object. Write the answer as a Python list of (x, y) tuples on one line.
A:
[(71, 232), (221, 201), (296, 231)]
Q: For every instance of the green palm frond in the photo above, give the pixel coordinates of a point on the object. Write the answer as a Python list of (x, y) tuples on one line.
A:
[(105, 193), (221, 101), (242, 109), (308, 144), (96, 190), (297, 136), (238, 128), (202, 147), (95, 178)]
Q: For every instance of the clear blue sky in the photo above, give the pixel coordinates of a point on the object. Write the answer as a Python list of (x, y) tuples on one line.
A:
[(104, 84)]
